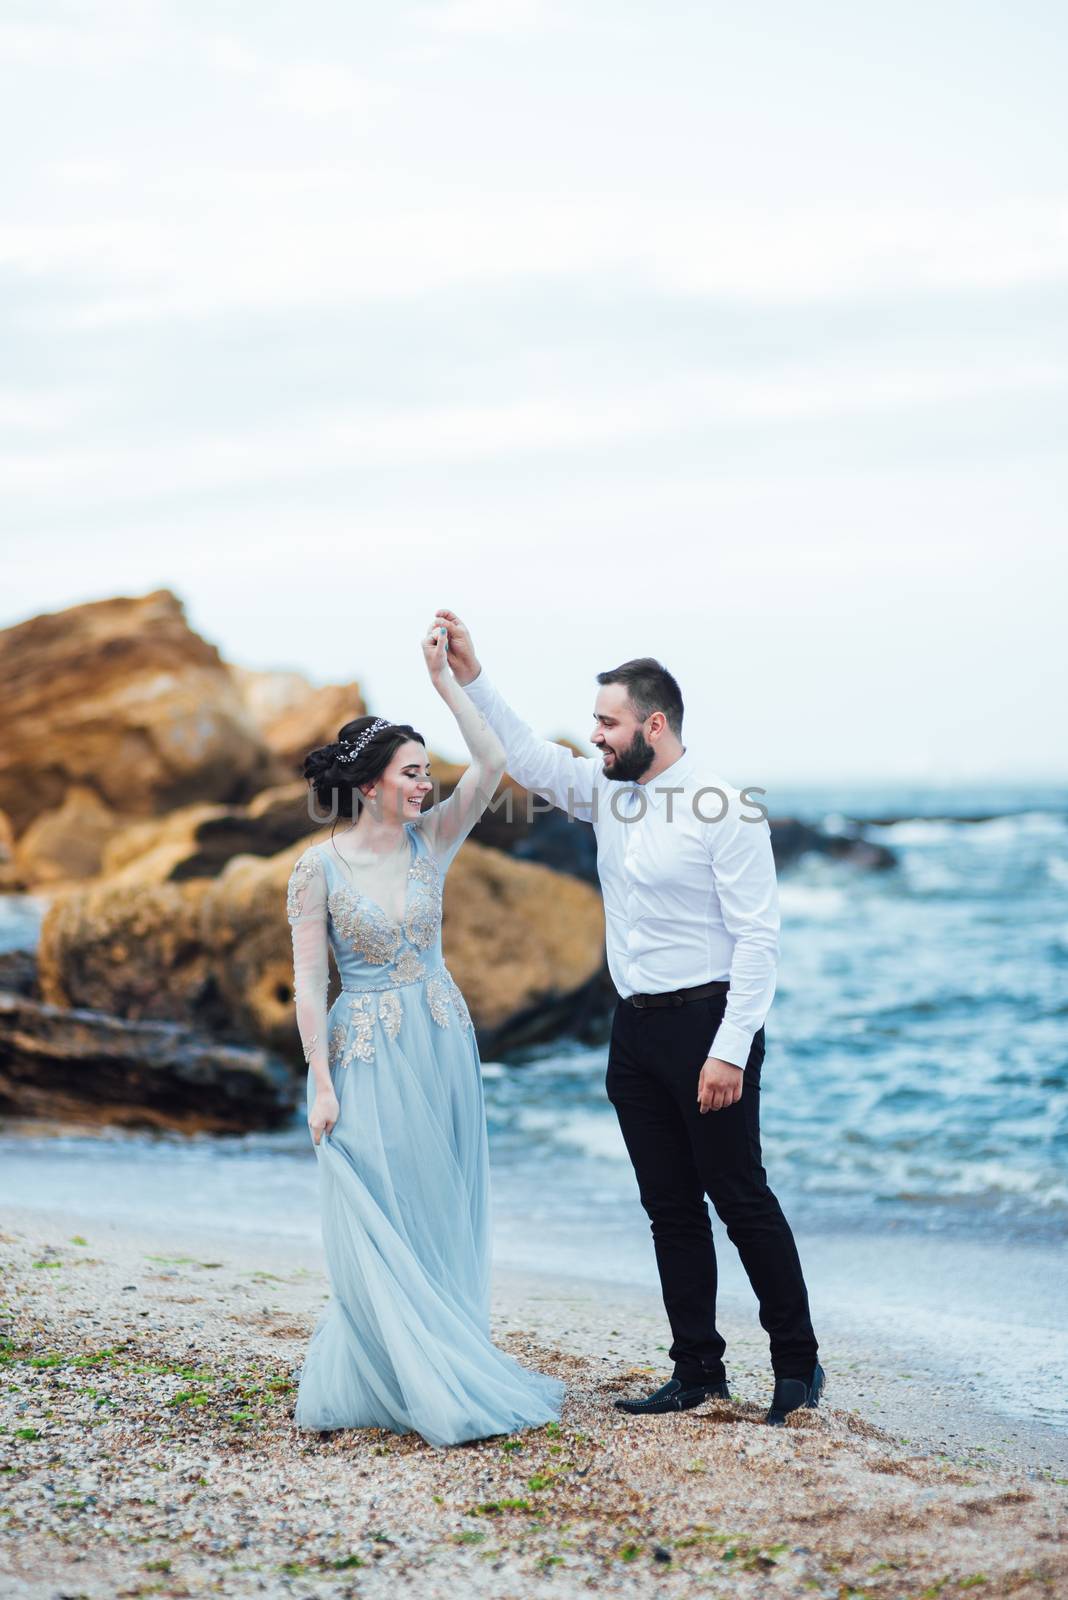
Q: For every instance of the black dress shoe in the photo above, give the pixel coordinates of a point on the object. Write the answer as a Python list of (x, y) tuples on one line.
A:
[(793, 1393), (674, 1396)]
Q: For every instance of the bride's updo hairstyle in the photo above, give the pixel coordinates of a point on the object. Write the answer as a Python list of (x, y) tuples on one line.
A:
[(335, 774)]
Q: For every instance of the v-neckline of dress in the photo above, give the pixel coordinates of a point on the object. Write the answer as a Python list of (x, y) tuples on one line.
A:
[(413, 851)]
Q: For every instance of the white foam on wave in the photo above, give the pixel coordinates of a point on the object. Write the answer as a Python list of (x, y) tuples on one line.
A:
[(986, 1178), (810, 901), (905, 1176), (1032, 824), (993, 831), (594, 1133), (928, 875), (917, 831)]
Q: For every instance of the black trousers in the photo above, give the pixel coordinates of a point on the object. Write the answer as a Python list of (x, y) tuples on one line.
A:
[(680, 1156)]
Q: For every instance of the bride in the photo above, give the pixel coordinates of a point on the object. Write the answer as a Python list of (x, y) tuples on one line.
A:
[(395, 1102)]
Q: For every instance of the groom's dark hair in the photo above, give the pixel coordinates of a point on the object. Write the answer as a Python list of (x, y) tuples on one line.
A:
[(650, 687)]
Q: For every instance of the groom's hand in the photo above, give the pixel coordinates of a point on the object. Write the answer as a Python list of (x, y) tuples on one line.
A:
[(462, 659), (719, 1085)]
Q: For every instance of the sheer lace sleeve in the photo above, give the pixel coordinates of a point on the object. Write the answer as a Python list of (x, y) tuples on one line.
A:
[(446, 825), (306, 911)]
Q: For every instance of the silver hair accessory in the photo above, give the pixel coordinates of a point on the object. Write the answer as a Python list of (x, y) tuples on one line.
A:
[(349, 749)]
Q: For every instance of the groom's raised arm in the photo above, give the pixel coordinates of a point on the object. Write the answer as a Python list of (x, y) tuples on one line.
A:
[(538, 764)]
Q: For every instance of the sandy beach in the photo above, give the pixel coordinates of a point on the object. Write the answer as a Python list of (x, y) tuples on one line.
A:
[(148, 1448)]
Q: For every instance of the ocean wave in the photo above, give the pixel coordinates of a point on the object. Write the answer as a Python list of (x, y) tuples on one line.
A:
[(1024, 824), (879, 1174), (917, 831), (992, 830), (812, 902), (594, 1133)]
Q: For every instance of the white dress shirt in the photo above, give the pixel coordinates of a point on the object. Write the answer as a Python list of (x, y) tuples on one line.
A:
[(689, 886)]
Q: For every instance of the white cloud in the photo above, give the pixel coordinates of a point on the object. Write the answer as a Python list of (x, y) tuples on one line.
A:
[(483, 16), (344, 240), (825, 253), (327, 89), (48, 410), (573, 420)]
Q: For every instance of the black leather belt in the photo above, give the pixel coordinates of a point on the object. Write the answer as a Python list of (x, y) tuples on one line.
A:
[(677, 997)]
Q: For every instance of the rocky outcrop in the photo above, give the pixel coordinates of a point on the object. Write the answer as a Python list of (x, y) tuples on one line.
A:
[(791, 839), (9, 878), (122, 697), (525, 943), (79, 1066), (215, 954), (198, 841), (67, 843), (293, 716), (133, 950), (18, 972)]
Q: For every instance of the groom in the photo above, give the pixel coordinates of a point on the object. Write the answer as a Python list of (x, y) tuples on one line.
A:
[(692, 923)]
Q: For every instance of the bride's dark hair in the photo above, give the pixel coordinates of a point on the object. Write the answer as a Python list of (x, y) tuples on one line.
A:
[(335, 782)]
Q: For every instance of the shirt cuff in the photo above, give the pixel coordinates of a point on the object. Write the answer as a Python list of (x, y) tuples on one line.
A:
[(475, 687), (732, 1044)]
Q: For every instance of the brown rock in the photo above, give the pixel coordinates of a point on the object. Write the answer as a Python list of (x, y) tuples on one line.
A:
[(518, 936), (135, 951), (67, 843), (293, 716), (244, 923), (18, 972), (79, 1066), (121, 696), (198, 841), (9, 878)]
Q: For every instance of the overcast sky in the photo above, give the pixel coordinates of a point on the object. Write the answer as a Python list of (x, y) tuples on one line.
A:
[(733, 334)]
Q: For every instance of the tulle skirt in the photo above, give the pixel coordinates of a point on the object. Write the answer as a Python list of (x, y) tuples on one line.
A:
[(404, 1188)]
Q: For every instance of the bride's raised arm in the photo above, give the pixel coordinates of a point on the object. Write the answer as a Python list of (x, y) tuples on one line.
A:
[(446, 825)]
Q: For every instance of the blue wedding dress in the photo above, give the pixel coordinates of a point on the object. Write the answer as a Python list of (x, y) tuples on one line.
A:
[(404, 1174)]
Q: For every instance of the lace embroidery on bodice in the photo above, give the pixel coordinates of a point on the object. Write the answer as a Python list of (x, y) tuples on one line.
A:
[(364, 928), (360, 928)]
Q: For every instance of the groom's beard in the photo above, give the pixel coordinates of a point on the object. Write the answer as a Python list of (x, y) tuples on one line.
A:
[(633, 762)]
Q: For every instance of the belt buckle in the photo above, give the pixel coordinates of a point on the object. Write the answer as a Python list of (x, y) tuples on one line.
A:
[(638, 1001)]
